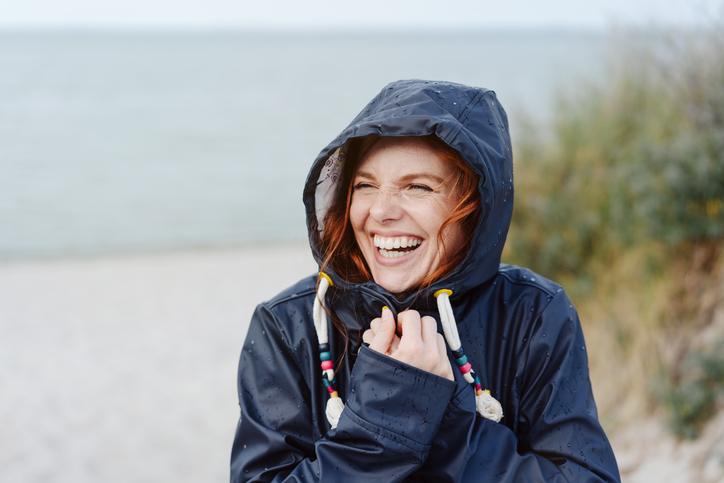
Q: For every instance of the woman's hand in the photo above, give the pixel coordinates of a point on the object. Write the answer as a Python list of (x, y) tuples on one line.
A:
[(419, 344)]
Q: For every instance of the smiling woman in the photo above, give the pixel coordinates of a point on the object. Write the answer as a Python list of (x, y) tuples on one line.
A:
[(412, 206), (408, 210)]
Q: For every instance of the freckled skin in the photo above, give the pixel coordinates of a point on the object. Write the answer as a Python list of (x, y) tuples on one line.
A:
[(400, 190)]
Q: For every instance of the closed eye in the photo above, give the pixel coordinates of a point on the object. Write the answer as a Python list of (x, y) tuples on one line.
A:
[(420, 187), (360, 186)]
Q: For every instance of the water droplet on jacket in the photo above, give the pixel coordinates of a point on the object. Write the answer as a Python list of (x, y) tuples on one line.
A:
[(252, 342), (490, 121), (532, 279)]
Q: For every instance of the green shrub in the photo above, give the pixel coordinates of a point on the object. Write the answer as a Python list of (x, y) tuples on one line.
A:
[(622, 202), (635, 159), (694, 398)]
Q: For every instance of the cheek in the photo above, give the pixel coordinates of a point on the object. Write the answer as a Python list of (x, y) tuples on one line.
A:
[(432, 217), (357, 216), (451, 237)]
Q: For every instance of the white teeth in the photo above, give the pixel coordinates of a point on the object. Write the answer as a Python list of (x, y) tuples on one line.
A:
[(388, 243), (389, 254)]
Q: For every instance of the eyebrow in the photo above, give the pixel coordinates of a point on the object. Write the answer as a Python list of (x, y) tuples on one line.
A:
[(406, 178)]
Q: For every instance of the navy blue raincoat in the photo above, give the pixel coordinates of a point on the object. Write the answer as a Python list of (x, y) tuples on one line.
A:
[(519, 331)]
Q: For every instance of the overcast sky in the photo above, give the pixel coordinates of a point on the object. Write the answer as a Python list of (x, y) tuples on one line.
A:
[(341, 14)]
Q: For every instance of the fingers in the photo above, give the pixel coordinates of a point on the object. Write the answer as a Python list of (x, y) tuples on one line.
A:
[(383, 332), (420, 345), (417, 331), (410, 327), (429, 330), (368, 336)]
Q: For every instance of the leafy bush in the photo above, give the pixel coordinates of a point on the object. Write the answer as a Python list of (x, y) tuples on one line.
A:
[(690, 402), (622, 202), (638, 158)]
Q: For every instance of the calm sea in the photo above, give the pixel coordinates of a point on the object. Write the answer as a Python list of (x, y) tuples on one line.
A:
[(117, 142)]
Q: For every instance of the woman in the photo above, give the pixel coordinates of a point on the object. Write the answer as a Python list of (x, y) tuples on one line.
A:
[(408, 210)]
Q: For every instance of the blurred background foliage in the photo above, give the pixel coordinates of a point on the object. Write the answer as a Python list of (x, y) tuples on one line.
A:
[(622, 202)]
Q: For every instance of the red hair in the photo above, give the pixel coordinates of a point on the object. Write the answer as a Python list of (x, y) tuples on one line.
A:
[(338, 244)]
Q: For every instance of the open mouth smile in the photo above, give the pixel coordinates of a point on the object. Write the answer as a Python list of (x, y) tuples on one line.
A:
[(398, 246)]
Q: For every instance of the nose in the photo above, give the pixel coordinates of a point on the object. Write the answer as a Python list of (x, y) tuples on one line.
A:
[(386, 206)]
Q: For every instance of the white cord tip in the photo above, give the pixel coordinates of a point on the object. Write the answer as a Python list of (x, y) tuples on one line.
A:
[(335, 406), (489, 407)]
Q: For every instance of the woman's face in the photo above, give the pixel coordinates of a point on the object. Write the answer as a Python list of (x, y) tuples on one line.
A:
[(400, 200)]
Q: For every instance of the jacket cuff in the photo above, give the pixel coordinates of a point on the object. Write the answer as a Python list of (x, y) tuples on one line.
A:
[(397, 397)]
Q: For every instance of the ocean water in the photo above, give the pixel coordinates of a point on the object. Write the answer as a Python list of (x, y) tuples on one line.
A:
[(122, 142)]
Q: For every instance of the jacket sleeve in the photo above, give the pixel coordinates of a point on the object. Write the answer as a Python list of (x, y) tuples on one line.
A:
[(385, 431), (554, 434)]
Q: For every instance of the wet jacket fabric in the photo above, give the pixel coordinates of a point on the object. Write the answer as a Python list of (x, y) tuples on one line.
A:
[(520, 332)]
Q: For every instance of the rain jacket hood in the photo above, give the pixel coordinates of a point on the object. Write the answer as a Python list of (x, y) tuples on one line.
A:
[(519, 333), (468, 119)]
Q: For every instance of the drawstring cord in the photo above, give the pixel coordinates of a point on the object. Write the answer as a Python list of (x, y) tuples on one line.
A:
[(487, 406), (335, 406)]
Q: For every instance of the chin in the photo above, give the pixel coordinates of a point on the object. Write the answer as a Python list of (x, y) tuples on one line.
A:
[(396, 284)]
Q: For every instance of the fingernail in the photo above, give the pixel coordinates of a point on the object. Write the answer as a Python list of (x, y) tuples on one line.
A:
[(383, 311)]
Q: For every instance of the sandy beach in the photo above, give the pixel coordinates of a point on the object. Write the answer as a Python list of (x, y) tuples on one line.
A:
[(122, 369)]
